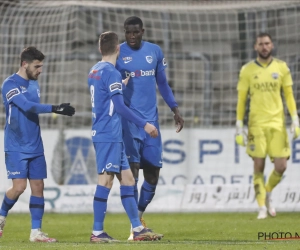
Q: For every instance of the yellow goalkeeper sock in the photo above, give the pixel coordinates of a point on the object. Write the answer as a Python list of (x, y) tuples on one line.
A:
[(273, 180), (259, 188)]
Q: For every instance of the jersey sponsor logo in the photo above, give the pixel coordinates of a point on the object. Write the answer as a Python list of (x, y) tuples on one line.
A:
[(12, 173), (139, 73), (93, 75), (149, 59), (109, 165), (115, 86), (12, 93), (127, 59), (275, 75), (164, 62), (266, 86), (93, 132)]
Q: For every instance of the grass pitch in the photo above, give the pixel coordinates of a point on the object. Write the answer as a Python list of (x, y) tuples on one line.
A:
[(219, 231)]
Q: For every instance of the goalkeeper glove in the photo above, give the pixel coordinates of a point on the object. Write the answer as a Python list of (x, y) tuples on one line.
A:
[(295, 130), (240, 136), (63, 109)]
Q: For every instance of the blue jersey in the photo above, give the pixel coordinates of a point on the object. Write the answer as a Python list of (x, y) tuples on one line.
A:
[(105, 81), (142, 66), (22, 130)]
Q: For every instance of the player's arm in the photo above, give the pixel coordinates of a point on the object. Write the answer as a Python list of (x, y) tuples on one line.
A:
[(291, 105), (13, 95), (169, 98), (125, 112), (289, 99), (241, 107)]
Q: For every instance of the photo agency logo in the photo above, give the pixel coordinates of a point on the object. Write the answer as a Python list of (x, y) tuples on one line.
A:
[(278, 236)]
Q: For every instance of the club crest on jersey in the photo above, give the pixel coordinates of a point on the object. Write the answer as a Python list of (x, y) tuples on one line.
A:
[(127, 59), (275, 75), (149, 59), (23, 89)]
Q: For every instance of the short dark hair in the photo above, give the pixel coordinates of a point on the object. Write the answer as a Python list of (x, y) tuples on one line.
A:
[(263, 34), (133, 20), (30, 54), (108, 42)]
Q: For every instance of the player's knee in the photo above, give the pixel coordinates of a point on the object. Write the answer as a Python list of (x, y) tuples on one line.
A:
[(135, 167), (19, 189)]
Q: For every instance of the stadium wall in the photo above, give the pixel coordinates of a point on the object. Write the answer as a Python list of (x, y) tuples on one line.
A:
[(203, 170)]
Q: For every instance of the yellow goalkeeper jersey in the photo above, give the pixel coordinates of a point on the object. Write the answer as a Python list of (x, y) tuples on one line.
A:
[(264, 84)]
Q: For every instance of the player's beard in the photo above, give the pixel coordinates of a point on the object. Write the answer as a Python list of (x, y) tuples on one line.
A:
[(30, 75), (265, 57)]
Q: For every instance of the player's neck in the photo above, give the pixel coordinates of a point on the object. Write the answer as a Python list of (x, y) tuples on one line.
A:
[(22, 74), (264, 61), (111, 59)]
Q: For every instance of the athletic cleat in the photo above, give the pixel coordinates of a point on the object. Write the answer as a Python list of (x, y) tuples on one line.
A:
[(102, 238), (146, 235), (262, 213), (39, 236), (2, 224), (270, 208)]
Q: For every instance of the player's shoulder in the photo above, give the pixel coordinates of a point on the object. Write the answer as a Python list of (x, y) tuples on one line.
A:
[(153, 46), (279, 61), (8, 81), (282, 64), (248, 66)]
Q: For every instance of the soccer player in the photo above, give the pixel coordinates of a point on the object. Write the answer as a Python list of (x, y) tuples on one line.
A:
[(145, 64), (24, 151), (263, 80), (105, 84)]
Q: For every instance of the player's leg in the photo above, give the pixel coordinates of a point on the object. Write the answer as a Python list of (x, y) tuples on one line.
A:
[(257, 149), (132, 137), (151, 163), (259, 186), (140, 233), (37, 172), (106, 169), (16, 168), (279, 152)]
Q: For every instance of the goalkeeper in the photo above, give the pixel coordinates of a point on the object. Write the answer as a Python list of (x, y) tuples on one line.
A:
[(24, 152), (263, 80)]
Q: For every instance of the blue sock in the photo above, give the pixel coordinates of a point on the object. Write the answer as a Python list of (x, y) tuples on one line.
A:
[(129, 204), (100, 206), (36, 208), (147, 194), (7, 204), (136, 191)]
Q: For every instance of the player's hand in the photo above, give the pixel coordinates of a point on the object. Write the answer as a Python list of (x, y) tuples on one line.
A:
[(178, 120), (125, 81), (295, 130), (240, 135), (63, 109), (151, 130)]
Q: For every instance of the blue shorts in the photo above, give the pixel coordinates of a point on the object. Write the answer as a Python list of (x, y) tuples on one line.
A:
[(110, 157), (22, 165), (141, 147)]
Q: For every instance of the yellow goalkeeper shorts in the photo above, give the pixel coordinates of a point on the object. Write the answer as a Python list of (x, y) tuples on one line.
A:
[(263, 141)]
